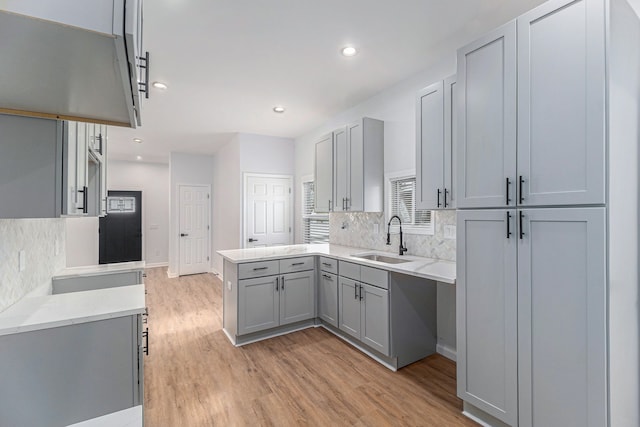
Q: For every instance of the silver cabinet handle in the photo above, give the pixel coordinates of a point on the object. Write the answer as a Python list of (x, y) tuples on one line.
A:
[(277, 281), (259, 268), (282, 284), (326, 276), (297, 263), (184, 234)]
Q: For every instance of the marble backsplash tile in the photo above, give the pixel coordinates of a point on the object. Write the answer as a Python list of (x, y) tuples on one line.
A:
[(43, 241), (360, 232)]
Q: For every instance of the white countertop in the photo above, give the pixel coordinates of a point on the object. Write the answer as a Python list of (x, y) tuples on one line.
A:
[(130, 417), (94, 270), (50, 311), (427, 268)]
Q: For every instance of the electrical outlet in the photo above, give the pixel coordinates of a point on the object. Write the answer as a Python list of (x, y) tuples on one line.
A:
[(449, 231), (376, 228), (229, 284), (22, 260), (56, 248)]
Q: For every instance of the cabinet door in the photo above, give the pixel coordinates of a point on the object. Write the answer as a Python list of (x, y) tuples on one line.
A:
[(349, 306), (562, 300), (450, 144), (355, 189), (328, 298), (103, 173), (486, 297), (430, 147), (323, 180), (297, 297), (69, 180), (82, 159), (341, 169), (258, 304), (561, 103), (374, 314), (487, 113)]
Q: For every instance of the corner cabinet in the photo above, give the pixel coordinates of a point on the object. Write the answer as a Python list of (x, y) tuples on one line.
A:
[(435, 133), (268, 295), (349, 168), (106, 89)]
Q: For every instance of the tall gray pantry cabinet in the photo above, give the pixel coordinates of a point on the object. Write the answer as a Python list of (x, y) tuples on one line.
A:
[(547, 251)]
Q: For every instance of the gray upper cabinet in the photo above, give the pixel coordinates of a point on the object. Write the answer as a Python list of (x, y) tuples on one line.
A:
[(323, 174), (561, 104), (297, 297), (562, 300), (55, 41), (435, 121), (486, 160), (487, 316), (30, 167), (353, 155)]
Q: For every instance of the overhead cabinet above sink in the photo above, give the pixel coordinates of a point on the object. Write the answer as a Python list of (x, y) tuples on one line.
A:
[(73, 60)]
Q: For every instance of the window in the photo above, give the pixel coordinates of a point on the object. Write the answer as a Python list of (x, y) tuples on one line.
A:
[(402, 199), (315, 227)]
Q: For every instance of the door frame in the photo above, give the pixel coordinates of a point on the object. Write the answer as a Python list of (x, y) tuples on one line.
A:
[(245, 181), (177, 236)]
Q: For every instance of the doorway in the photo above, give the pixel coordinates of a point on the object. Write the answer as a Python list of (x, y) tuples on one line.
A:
[(121, 229), (194, 218), (267, 213)]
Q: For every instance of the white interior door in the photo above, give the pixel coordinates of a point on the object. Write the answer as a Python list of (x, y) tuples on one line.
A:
[(194, 229), (268, 211)]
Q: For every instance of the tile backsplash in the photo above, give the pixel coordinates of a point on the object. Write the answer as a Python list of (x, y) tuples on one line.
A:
[(360, 231), (43, 243)]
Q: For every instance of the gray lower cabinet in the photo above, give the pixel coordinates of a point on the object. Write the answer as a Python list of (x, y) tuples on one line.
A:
[(531, 288), (328, 298), (297, 297), (258, 304), (364, 313), (487, 317), (60, 376), (275, 300)]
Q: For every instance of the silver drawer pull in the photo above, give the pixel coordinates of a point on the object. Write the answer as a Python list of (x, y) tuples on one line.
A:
[(327, 264), (297, 263), (327, 277), (260, 268)]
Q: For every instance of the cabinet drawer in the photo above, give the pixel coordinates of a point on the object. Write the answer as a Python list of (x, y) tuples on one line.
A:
[(374, 276), (329, 265), (296, 264), (350, 270), (258, 269)]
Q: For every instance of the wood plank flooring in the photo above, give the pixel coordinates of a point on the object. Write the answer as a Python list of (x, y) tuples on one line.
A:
[(195, 377)]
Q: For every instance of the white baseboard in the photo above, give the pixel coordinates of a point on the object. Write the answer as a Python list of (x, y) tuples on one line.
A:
[(216, 272), (446, 351), (156, 264), (171, 275)]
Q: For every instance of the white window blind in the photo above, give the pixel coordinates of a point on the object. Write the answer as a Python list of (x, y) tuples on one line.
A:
[(315, 227), (403, 204)]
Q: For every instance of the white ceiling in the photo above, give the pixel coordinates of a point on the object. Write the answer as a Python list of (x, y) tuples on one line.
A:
[(229, 62)]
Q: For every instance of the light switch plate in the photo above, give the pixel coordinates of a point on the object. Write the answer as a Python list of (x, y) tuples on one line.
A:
[(449, 231)]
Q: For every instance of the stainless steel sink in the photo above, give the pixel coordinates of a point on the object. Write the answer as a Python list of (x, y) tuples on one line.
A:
[(381, 258)]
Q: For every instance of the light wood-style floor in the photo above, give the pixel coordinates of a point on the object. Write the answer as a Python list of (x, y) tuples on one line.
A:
[(195, 377)]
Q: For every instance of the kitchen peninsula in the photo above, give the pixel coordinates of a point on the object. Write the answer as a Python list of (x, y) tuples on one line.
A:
[(383, 304)]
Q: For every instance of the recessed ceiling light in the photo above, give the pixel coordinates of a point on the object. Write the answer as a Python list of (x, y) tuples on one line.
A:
[(138, 157), (349, 51), (138, 140), (278, 109), (160, 85)]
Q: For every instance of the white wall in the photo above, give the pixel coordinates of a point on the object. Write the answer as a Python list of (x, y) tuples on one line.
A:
[(185, 169), (83, 241), (153, 180), (245, 153)]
